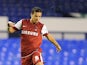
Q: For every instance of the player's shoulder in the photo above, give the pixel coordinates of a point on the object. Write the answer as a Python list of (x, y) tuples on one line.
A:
[(41, 23), (25, 20)]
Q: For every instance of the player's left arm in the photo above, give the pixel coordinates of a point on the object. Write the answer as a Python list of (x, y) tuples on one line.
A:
[(51, 39)]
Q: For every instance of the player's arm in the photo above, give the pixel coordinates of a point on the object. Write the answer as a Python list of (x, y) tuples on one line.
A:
[(11, 27), (51, 39)]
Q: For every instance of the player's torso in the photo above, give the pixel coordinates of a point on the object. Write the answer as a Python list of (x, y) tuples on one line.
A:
[(31, 36)]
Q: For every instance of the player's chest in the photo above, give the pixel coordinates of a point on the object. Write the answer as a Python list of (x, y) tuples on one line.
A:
[(30, 27)]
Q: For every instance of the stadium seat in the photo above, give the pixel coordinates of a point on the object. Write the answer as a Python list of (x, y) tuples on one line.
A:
[(73, 52)]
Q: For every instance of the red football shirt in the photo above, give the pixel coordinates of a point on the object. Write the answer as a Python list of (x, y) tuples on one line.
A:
[(31, 35)]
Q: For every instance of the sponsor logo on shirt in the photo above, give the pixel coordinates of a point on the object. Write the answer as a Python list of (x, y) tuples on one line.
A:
[(29, 33)]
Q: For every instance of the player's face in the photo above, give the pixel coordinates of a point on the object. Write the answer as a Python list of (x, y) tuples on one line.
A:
[(36, 16)]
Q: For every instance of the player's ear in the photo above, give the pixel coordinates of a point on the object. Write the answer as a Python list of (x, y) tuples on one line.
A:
[(31, 14)]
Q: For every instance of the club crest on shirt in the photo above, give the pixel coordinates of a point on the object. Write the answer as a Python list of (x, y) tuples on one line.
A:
[(35, 29), (24, 26)]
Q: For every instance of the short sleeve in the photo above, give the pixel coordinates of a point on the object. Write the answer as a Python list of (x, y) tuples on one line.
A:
[(18, 25), (44, 30)]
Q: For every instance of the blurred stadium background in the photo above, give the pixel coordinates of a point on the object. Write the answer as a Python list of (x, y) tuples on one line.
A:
[(65, 19)]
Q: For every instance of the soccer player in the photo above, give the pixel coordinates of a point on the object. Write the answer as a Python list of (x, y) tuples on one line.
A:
[(32, 31)]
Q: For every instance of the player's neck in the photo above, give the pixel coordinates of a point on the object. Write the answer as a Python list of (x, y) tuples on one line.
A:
[(33, 22)]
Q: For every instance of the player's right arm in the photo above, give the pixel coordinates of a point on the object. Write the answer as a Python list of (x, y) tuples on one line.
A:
[(12, 27)]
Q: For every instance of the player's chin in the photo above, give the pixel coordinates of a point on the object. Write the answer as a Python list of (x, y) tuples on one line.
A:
[(36, 21)]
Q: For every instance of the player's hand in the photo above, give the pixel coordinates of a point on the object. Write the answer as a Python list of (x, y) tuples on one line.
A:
[(11, 24), (58, 48)]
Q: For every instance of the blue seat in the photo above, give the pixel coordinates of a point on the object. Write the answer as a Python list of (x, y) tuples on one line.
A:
[(73, 52)]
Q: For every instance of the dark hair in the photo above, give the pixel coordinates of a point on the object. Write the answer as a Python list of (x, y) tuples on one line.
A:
[(36, 9)]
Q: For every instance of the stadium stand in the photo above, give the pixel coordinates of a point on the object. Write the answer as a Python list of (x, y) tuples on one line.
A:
[(16, 10), (73, 52)]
